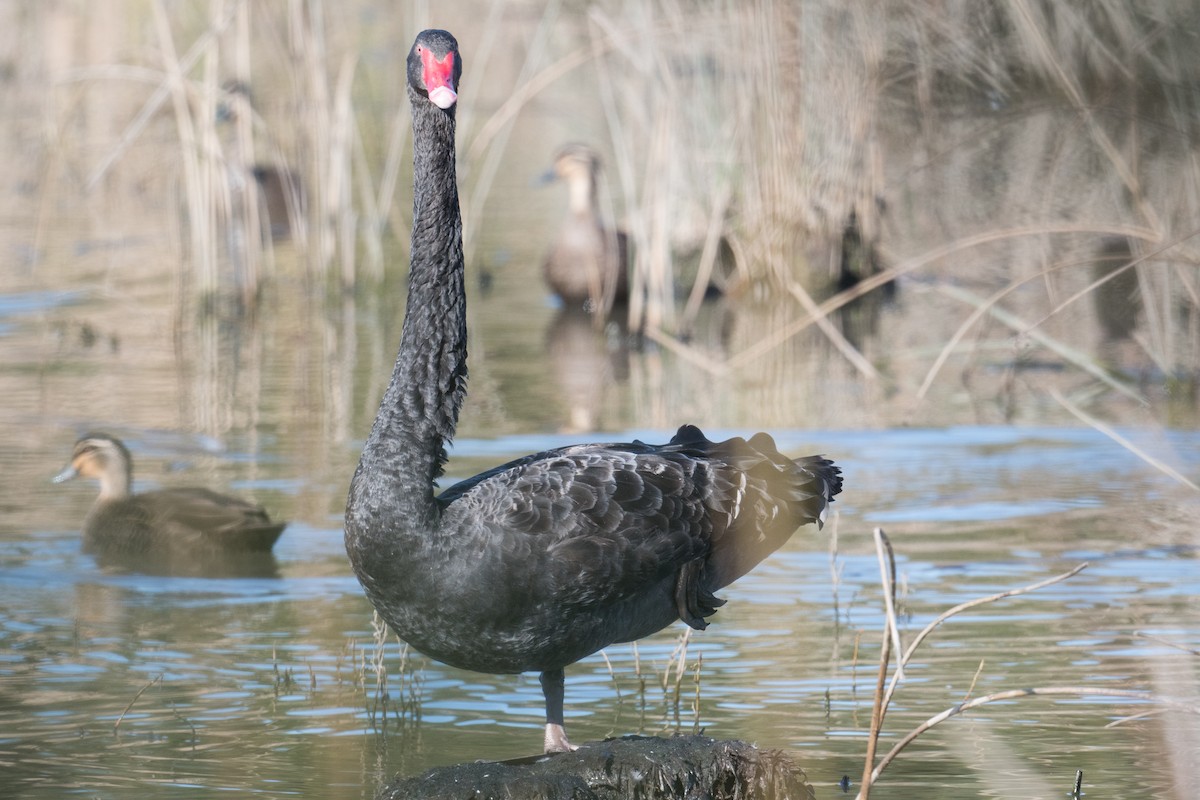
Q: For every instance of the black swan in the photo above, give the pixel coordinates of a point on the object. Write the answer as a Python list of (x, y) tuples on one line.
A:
[(588, 265), (540, 562), (187, 522)]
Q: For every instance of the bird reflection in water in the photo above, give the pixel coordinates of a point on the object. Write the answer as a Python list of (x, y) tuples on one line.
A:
[(588, 363)]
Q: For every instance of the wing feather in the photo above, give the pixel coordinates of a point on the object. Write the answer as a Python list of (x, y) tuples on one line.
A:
[(611, 521)]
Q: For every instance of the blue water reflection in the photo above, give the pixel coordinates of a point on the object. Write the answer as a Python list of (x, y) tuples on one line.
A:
[(248, 669)]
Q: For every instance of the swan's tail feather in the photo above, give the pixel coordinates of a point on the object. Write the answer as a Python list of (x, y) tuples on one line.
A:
[(759, 497)]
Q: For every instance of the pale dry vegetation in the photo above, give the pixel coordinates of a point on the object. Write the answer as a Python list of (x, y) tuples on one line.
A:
[(1024, 170)]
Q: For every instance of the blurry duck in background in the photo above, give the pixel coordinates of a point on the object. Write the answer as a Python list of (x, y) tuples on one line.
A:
[(282, 201), (859, 259), (189, 530), (1118, 300), (588, 265)]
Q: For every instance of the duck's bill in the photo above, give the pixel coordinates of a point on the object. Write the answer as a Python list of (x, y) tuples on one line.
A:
[(66, 474)]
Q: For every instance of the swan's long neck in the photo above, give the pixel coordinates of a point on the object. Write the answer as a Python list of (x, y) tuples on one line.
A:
[(405, 451)]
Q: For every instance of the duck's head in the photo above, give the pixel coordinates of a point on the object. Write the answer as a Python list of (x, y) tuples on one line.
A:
[(104, 458), (574, 162), (234, 102), (578, 166)]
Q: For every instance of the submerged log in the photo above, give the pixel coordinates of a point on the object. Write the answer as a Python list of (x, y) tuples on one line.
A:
[(628, 768)]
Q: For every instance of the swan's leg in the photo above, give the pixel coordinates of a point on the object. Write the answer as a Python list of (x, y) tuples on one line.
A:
[(556, 734)]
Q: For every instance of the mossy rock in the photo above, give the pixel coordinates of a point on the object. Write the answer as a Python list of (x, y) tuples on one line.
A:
[(627, 768)]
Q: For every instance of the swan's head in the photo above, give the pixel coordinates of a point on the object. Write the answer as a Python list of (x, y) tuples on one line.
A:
[(434, 67), (104, 458)]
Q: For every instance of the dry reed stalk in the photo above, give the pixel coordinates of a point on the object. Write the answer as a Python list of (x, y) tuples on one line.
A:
[(1166, 642), (611, 675), (969, 604), (134, 129), (854, 663), (213, 191), (1087, 54), (1014, 694), (1193, 297), (485, 171), (306, 32), (644, 78), (974, 680), (226, 211), (346, 207), (1066, 352), (981, 309), (248, 258), (672, 688), (912, 264), (835, 567), (521, 95), (679, 143), (385, 202), (1158, 464), (687, 352), (883, 696), (998, 45), (717, 151), (411, 686), (658, 268), (641, 682), (891, 637), (602, 42), (370, 217), (339, 189), (836, 338), (708, 257), (203, 44), (677, 661), (199, 210), (140, 692), (887, 576), (1070, 85), (191, 725), (379, 631)]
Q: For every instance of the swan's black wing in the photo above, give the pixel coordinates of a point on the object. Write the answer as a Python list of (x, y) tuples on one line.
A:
[(607, 521)]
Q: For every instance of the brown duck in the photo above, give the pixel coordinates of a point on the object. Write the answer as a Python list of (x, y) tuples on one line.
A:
[(177, 520), (588, 265), (281, 192)]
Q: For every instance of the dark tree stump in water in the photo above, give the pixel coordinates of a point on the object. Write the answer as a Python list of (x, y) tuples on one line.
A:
[(628, 768)]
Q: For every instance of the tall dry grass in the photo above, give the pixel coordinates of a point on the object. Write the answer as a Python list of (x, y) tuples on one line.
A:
[(770, 125), (744, 137), (306, 122)]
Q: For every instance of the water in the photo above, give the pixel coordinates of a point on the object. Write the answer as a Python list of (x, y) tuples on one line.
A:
[(115, 683), (118, 681)]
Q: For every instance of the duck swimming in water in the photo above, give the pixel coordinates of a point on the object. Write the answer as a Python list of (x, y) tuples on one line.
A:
[(178, 521)]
